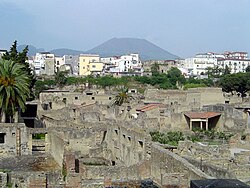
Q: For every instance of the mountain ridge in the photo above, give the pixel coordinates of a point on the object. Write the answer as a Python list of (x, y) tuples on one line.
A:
[(115, 47), (120, 46)]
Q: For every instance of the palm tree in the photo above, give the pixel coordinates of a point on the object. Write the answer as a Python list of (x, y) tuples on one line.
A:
[(14, 88), (122, 97)]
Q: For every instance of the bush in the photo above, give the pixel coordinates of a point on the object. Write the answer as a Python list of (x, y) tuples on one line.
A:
[(171, 138)]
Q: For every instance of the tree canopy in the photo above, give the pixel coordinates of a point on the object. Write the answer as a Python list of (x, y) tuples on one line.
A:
[(239, 82), (14, 86), (20, 57)]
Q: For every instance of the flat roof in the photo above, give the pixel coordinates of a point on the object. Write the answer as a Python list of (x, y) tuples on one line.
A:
[(201, 115)]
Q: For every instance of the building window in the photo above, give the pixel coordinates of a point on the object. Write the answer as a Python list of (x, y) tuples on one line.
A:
[(83, 67), (2, 138), (83, 60), (64, 100), (140, 143), (110, 98), (76, 98), (93, 98), (93, 66)]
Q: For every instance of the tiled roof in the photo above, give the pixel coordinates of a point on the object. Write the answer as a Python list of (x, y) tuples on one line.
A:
[(148, 107), (201, 115)]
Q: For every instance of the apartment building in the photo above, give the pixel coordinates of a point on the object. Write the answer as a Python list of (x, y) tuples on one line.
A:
[(59, 61), (234, 65), (235, 61), (123, 65), (199, 64), (72, 61), (90, 64), (44, 63)]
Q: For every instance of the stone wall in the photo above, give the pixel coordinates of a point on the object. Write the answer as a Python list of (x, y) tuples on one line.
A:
[(60, 99), (165, 163), (116, 173), (191, 99), (231, 119), (14, 139), (56, 146), (127, 144), (3, 179)]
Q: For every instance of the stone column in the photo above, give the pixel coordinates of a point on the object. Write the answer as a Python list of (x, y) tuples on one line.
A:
[(3, 117), (190, 124), (201, 125), (206, 124), (16, 117)]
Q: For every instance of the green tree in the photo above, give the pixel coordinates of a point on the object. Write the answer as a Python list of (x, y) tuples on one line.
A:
[(14, 87), (226, 70), (43, 85), (122, 97), (248, 68), (239, 82), (214, 72), (175, 76), (155, 68), (21, 57), (60, 78)]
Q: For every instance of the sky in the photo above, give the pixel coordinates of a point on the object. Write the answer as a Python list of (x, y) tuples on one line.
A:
[(182, 27)]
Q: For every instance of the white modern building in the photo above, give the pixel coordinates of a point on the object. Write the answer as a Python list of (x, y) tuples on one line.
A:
[(59, 61), (234, 65), (198, 65), (123, 65), (2, 52), (44, 63)]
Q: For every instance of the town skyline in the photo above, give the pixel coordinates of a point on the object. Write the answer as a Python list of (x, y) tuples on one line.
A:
[(180, 27)]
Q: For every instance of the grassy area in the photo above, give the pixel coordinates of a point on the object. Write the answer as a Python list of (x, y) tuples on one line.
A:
[(40, 136)]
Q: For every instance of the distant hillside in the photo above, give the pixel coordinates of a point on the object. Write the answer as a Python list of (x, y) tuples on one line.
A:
[(120, 46), (64, 51), (32, 49)]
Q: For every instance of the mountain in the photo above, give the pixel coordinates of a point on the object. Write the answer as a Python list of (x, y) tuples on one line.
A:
[(64, 51), (32, 49), (121, 46), (114, 47)]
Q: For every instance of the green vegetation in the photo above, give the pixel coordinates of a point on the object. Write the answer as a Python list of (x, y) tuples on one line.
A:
[(239, 82), (40, 136), (122, 97), (5, 170), (14, 87), (20, 58), (172, 138), (64, 171), (171, 80), (248, 68), (9, 185), (60, 78), (43, 85), (210, 136), (191, 85)]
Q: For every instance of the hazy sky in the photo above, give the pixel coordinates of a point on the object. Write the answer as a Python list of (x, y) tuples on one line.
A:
[(182, 27)]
